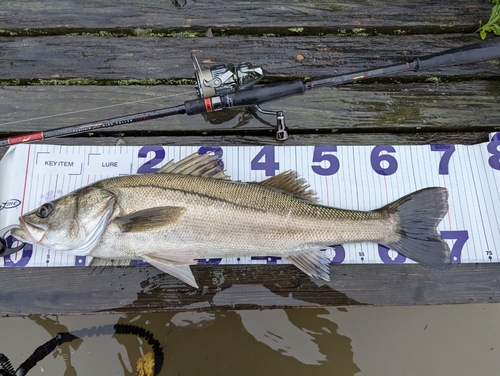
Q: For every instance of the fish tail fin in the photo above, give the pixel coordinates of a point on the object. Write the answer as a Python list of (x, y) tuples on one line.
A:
[(418, 215)]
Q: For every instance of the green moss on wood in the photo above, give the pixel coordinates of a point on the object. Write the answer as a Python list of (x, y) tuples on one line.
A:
[(434, 80), (200, 32), (8, 33)]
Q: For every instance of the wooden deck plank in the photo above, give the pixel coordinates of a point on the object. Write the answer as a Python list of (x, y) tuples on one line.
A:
[(405, 15), (145, 289), (53, 42), (409, 107), (424, 138), (107, 59)]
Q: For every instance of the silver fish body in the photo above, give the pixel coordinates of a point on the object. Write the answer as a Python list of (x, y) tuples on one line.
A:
[(181, 214)]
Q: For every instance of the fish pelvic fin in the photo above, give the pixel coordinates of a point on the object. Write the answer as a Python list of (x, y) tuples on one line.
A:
[(290, 182), (313, 262), (418, 215), (180, 271), (149, 219), (207, 165)]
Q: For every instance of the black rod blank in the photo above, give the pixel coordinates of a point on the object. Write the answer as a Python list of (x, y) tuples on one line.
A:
[(260, 94), (473, 53)]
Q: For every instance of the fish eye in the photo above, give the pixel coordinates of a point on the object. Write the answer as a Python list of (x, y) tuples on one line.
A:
[(44, 210)]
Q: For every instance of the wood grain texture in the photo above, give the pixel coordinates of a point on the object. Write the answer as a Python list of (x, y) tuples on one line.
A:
[(402, 14), (424, 138), (106, 44), (390, 108), (109, 58), (145, 289)]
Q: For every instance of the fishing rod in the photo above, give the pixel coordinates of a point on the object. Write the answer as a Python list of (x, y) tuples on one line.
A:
[(227, 86)]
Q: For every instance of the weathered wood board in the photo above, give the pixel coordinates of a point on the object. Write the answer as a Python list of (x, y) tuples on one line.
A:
[(383, 15), (412, 107), (71, 62), (26, 60), (424, 138), (145, 289)]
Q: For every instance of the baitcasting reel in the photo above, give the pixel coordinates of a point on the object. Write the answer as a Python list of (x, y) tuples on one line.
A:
[(222, 79)]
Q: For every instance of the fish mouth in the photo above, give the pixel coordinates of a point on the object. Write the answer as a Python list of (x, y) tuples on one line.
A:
[(28, 232)]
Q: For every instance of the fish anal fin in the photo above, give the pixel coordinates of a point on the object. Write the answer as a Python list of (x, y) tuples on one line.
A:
[(175, 269), (289, 182), (149, 219), (314, 263), (207, 165)]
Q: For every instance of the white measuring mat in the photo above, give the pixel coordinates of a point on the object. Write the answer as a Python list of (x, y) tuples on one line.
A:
[(348, 177)]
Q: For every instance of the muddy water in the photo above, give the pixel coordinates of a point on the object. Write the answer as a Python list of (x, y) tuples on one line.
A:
[(443, 340)]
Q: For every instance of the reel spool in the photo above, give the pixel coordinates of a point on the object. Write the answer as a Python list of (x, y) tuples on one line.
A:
[(225, 78), (218, 80)]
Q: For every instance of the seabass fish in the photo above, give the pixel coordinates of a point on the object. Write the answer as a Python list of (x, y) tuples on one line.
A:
[(191, 210)]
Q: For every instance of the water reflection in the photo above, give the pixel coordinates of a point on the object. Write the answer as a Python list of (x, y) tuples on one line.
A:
[(274, 329), (218, 343), (295, 342), (53, 327), (449, 340)]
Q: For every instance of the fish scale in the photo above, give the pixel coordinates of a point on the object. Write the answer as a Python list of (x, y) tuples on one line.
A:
[(261, 216), (191, 210)]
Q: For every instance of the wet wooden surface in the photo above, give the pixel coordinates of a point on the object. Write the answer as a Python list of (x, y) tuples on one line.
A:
[(404, 107), (169, 59), (146, 289), (70, 62), (389, 16)]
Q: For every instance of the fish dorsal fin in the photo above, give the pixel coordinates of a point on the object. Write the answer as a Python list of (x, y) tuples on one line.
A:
[(149, 219), (313, 262), (289, 182), (207, 165)]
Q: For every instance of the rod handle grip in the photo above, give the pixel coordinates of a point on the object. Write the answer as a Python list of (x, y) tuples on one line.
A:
[(473, 53), (257, 95)]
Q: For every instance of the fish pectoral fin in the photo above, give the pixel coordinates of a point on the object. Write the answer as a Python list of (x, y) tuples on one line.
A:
[(180, 271), (149, 219), (313, 262)]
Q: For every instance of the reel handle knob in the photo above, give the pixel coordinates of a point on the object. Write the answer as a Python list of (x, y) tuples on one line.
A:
[(281, 129)]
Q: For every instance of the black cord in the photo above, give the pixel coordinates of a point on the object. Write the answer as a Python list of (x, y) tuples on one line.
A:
[(44, 350), (148, 336), (6, 368)]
